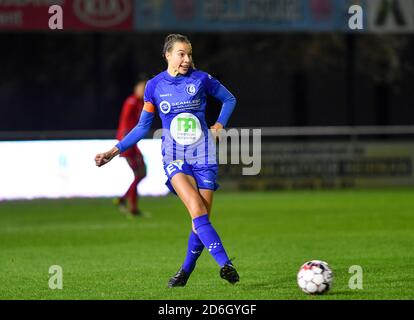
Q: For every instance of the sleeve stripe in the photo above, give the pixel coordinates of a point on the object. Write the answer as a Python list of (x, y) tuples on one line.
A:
[(149, 107)]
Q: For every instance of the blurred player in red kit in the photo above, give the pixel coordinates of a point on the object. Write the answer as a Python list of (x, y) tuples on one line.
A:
[(130, 114)]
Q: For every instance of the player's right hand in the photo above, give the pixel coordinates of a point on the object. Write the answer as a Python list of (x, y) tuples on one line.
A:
[(102, 158)]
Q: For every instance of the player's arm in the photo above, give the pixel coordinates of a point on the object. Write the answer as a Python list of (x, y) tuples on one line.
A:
[(127, 113), (228, 104), (228, 101), (136, 134), (140, 130)]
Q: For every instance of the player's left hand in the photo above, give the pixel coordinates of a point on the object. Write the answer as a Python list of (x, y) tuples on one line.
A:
[(215, 130)]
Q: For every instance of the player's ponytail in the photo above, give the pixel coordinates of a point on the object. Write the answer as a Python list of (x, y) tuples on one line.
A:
[(169, 43)]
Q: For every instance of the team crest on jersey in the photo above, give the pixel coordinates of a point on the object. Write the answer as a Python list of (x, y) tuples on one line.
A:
[(191, 89), (165, 107)]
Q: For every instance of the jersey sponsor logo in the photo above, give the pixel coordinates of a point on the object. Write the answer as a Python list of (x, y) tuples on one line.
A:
[(175, 165), (165, 107), (185, 128), (188, 103), (165, 95), (191, 89)]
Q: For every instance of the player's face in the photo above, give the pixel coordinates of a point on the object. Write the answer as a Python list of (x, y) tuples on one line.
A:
[(139, 89), (180, 57)]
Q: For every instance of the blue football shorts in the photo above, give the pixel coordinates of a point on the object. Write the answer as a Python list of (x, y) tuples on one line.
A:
[(205, 175)]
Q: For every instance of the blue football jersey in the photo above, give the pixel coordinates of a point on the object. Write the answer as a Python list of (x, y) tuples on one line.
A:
[(181, 102)]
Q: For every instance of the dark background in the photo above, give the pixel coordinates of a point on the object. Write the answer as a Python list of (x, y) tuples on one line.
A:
[(78, 81)]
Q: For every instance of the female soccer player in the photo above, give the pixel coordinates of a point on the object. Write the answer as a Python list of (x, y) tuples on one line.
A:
[(131, 111), (188, 147)]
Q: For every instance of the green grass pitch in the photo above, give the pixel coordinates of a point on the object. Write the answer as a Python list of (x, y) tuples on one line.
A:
[(271, 234)]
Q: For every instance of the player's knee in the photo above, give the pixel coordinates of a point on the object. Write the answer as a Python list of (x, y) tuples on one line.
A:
[(140, 173), (196, 206)]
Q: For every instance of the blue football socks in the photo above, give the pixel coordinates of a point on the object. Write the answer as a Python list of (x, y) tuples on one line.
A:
[(194, 249), (210, 239)]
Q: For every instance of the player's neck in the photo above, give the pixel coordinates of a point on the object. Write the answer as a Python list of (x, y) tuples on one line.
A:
[(173, 72)]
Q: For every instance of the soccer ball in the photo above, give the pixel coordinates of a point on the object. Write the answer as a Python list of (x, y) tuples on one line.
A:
[(315, 277)]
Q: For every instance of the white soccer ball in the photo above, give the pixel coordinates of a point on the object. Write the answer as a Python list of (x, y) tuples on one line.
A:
[(315, 277)]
